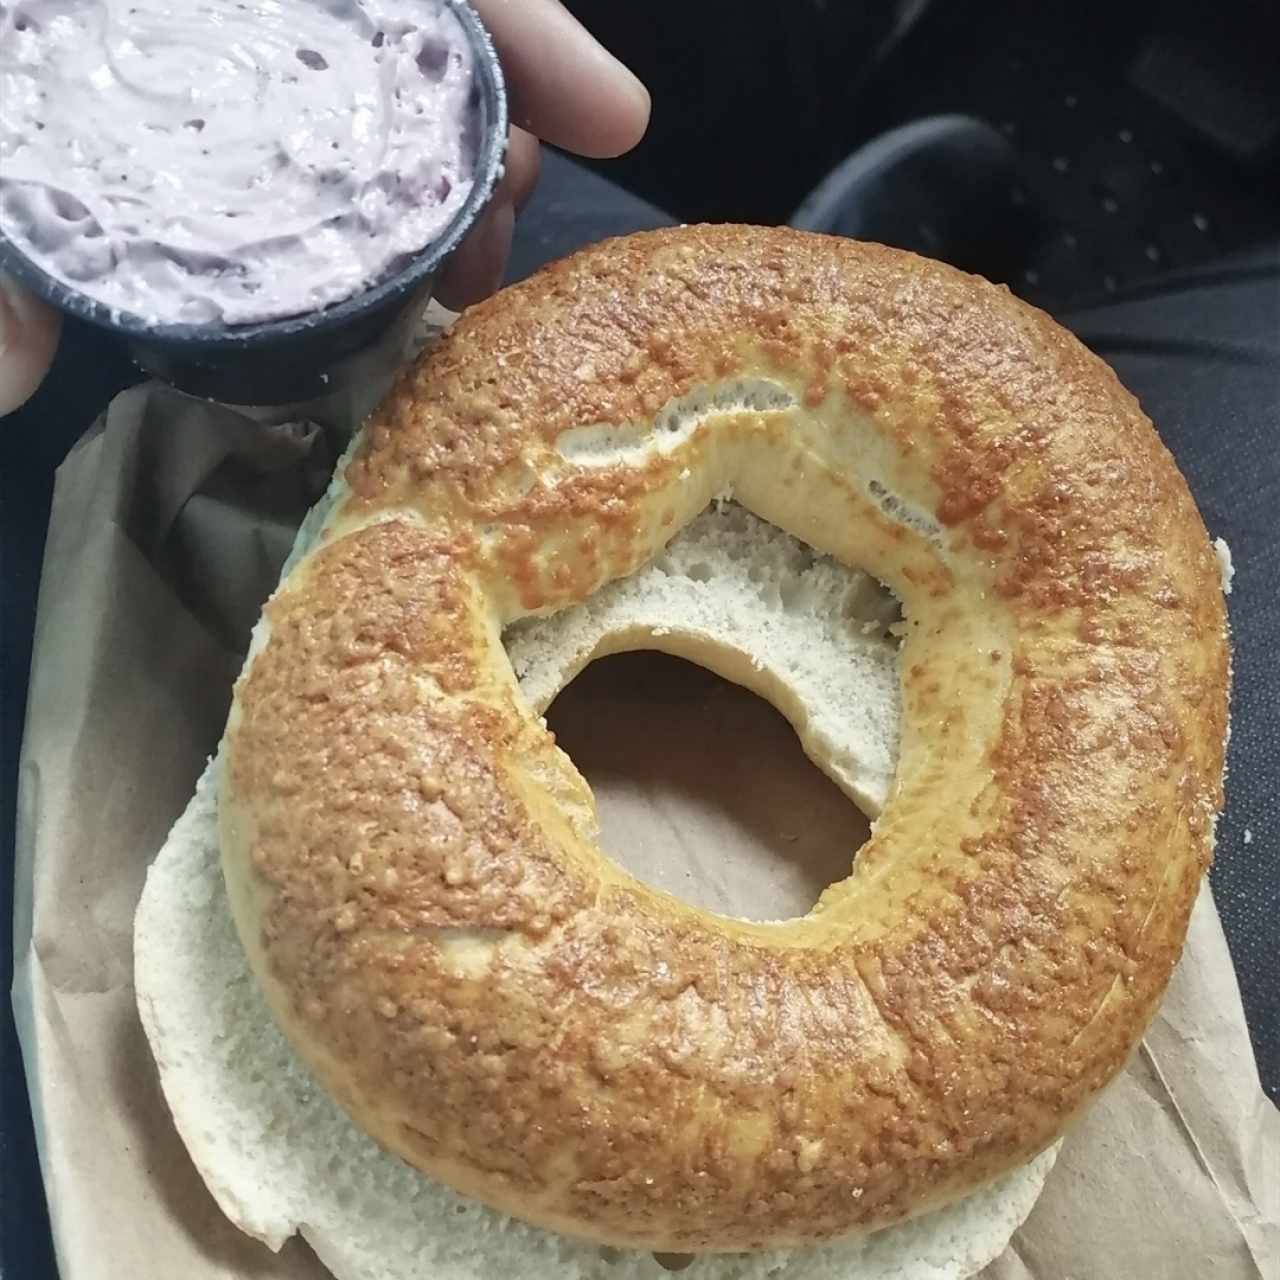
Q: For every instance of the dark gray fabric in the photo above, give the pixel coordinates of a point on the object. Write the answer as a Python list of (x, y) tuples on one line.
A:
[(1202, 354)]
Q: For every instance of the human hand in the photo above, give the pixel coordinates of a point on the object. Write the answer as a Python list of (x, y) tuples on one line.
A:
[(563, 87)]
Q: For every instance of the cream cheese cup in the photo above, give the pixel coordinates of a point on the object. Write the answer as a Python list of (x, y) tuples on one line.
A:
[(142, 217)]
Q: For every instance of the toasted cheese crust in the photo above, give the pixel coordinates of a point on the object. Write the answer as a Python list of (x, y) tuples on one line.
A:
[(411, 859)]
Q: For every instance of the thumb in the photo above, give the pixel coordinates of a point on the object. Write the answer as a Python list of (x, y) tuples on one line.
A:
[(28, 338)]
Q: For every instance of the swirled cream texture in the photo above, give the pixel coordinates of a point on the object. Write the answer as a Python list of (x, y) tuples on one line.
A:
[(231, 160)]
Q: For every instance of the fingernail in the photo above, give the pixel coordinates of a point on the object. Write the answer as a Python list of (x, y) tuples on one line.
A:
[(630, 84), (8, 312), (28, 336), (638, 90)]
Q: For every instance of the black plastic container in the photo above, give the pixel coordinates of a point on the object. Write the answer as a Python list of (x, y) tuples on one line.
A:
[(306, 356)]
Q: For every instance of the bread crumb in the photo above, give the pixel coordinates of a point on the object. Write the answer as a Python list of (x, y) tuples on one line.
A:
[(1225, 566), (1248, 836)]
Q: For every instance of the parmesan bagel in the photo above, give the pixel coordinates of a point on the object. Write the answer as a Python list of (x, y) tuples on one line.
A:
[(411, 861)]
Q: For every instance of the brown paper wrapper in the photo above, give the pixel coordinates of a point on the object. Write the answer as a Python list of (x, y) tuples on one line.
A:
[(170, 521)]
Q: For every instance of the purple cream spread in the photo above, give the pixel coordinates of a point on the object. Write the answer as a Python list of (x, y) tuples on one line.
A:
[(194, 161)]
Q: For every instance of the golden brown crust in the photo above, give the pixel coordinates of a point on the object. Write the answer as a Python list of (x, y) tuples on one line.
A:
[(409, 856)]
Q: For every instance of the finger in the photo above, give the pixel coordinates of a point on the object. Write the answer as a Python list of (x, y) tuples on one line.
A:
[(28, 338), (520, 172), (475, 269), (473, 272), (565, 87)]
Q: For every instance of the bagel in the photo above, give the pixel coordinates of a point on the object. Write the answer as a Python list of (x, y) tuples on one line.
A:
[(410, 860)]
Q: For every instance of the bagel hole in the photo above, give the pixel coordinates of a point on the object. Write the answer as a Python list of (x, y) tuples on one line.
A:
[(667, 1261), (702, 788), (674, 1261)]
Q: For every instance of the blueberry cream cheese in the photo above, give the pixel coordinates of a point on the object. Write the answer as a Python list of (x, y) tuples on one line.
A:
[(233, 161)]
